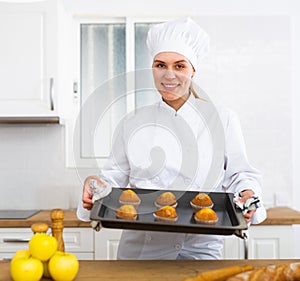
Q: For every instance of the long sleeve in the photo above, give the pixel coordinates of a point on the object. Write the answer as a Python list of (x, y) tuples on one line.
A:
[(239, 174), (114, 173)]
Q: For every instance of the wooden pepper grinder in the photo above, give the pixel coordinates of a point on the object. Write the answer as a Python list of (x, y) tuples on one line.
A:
[(57, 216), (39, 228)]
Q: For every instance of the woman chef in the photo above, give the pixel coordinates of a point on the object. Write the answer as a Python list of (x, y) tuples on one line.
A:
[(175, 145)]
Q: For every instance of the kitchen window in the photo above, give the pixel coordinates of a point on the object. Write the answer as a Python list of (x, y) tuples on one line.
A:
[(113, 61)]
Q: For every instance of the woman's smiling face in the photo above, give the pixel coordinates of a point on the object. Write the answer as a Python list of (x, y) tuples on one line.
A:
[(172, 74)]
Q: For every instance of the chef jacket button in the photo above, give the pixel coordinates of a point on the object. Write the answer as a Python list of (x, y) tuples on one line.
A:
[(187, 181), (148, 237), (178, 247), (156, 179)]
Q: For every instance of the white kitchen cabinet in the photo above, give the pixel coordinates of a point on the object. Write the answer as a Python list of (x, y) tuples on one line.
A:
[(13, 239), (271, 242), (106, 243), (233, 248), (79, 241), (32, 64), (265, 242)]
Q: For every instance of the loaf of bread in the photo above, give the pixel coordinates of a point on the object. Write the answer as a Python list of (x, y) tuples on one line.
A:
[(281, 272), (221, 274)]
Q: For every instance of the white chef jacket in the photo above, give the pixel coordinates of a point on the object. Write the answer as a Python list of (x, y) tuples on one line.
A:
[(198, 148)]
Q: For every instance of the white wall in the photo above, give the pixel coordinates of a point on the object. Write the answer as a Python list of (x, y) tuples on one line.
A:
[(253, 68), (249, 70), (32, 168)]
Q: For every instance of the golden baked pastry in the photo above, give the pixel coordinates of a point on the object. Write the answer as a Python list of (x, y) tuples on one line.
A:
[(201, 200), (206, 216), (129, 197), (280, 272), (166, 199), (166, 214), (126, 212)]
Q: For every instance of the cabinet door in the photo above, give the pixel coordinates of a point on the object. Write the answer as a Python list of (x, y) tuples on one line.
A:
[(271, 242), (12, 240), (79, 241), (106, 244), (27, 55), (234, 248)]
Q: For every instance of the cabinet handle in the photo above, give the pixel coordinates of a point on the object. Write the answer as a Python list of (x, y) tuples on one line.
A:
[(15, 240), (75, 90), (51, 93)]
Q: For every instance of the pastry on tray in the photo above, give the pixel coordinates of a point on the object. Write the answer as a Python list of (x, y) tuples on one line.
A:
[(166, 199), (201, 200), (166, 214), (206, 216), (127, 212), (129, 197)]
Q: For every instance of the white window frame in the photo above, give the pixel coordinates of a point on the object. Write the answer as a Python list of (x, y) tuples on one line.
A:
[(130, 66)]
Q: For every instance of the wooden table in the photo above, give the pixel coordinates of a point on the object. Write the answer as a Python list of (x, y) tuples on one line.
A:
[(147, 270)]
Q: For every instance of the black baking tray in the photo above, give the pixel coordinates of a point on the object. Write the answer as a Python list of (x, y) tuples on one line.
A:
[(231, 220)]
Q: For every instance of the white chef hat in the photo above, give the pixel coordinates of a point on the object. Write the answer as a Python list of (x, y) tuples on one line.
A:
[(182, 36)]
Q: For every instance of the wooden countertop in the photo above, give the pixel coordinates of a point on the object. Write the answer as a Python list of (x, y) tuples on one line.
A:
[(281, 216), (147, 270), (70, 220), (276, 216)]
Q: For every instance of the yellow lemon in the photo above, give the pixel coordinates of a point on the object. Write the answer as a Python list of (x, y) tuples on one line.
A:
[(26, 269), (21, 254), (42, 246), (63, 266)]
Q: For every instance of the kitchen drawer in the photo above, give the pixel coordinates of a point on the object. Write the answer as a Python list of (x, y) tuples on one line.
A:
[(79, 255), (6, 256), (84, 256), (75, 239), (13, 239), (78, 239)]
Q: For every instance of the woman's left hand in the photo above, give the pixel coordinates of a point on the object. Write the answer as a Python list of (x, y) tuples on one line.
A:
[(244, 196)]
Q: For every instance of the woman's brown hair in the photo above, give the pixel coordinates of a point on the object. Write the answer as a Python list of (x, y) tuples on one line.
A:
[(193, 91)]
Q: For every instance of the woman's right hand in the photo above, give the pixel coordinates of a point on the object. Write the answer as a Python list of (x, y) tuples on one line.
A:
[(87, 193)]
